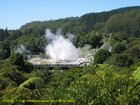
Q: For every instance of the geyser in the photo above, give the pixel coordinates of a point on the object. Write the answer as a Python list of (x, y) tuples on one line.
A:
[(60, 48)]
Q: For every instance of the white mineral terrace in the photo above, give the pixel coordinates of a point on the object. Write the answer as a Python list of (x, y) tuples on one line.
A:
[(40, 61)]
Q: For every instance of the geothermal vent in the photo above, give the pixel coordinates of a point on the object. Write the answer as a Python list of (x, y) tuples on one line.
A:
[(60, 51)]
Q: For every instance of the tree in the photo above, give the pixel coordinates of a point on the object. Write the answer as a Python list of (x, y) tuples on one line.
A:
[(127, 22), (12, 73), (121, 60), (134, 52), (93, 38), (5, 49), (118, 48), (101, 56), (3, 34), (17, 59), (120, 36), (136, 74), (95, 41)]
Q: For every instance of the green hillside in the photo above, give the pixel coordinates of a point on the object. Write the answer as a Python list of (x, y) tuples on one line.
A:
[(112, 78)]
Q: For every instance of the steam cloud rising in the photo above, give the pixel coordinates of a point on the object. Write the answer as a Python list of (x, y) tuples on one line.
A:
[(22, 50), (60, 48)]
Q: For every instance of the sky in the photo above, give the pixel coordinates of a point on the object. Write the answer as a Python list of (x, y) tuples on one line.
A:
[(15, 13)]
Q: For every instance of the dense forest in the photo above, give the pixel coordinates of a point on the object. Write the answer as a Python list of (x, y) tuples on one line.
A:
[(113, 77)]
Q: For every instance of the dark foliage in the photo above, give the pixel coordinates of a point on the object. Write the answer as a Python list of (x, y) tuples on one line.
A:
[(16, 59), (118, 48), (101, 56)]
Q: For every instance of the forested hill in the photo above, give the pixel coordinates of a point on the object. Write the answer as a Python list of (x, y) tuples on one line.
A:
[(122, 23), (77, 25)]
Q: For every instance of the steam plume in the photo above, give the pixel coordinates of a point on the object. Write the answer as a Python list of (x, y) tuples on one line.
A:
[(60, 48), (22, 50)]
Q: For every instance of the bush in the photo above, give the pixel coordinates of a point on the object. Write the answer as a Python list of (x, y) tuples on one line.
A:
[(12, 73), (16, 59), (136, 74), (120, 36), (28, 67), (134, 52), (118, 48), (101, 56), (121, 60)]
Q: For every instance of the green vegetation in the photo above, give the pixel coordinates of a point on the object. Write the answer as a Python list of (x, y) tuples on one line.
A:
[(101, 56), (113, 78), (98, 84), (118, 48)]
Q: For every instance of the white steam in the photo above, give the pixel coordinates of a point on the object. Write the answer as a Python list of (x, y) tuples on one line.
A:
[(22, 50), (60, 48)]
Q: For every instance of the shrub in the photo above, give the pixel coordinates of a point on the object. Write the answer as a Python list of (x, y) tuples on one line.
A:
[(121, 60), (16, 59), (28, 67), (32, 83), (101, 56), (118, 48)]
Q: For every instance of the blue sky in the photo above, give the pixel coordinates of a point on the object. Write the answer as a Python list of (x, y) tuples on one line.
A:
[(15, 13)]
